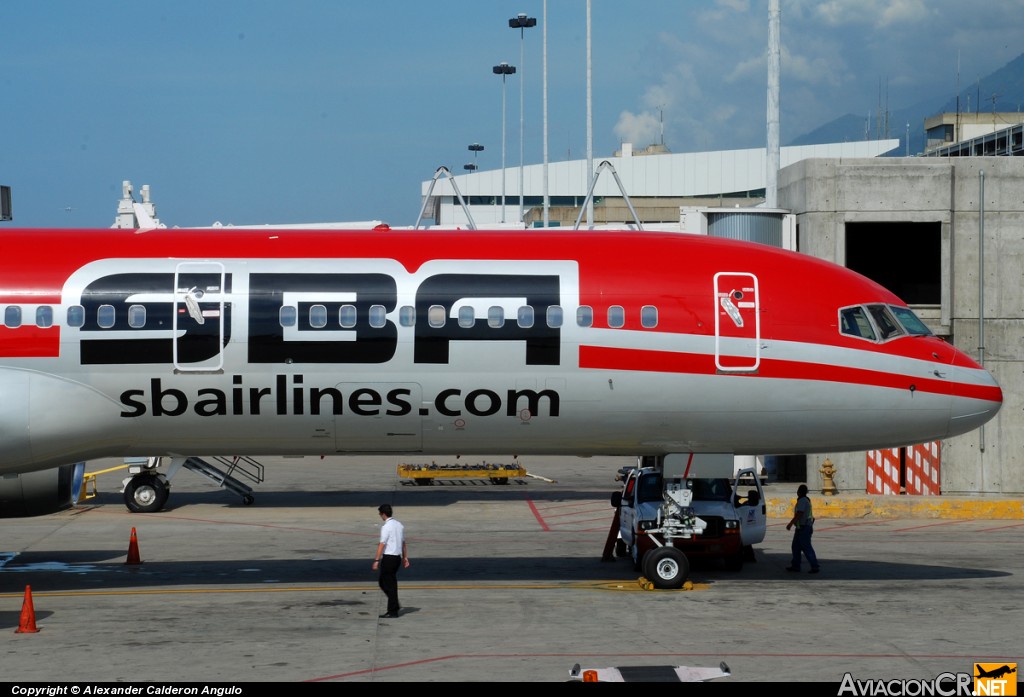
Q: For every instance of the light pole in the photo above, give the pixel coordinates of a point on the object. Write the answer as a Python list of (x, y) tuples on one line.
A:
[(475, 148), (544, 34), (521, 22), (503, 69), (590, 128)]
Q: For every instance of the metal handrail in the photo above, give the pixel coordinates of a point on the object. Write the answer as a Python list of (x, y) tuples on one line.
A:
[(465, 208), (622, 190)]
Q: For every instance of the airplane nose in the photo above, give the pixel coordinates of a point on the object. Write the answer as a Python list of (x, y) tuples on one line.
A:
[(976, 396)]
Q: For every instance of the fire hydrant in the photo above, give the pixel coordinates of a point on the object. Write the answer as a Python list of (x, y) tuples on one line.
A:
[(828, 484)]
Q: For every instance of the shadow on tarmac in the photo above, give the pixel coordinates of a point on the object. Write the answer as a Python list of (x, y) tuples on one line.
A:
[(436, 495), (74, 570)]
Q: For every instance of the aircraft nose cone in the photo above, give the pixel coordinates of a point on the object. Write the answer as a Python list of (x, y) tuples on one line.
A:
[(975, 401)]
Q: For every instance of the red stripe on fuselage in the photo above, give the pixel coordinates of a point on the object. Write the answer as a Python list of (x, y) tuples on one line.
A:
[(600, 357), (29, 342)]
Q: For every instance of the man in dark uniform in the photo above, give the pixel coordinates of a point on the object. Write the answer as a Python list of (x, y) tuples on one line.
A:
[(803, 519)]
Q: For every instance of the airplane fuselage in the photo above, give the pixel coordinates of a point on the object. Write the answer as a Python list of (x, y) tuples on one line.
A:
[(190, 342)]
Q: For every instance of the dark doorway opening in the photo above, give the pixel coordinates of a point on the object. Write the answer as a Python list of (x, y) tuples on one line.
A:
[(906, 258)]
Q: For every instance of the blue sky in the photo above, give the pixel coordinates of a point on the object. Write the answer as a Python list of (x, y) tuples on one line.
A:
[(318, 110)]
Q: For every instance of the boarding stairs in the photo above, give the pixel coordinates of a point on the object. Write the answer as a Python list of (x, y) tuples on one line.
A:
[(224, 473)]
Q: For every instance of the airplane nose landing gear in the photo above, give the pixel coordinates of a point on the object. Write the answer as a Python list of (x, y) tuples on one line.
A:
[(146, 493)]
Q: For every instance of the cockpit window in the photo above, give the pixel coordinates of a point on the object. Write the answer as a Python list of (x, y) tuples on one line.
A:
[(854, 322), (880, 322), (887, 325), (910, 321)]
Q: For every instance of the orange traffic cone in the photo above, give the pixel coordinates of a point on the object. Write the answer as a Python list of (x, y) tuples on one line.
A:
[(133, 550), (28, 615)]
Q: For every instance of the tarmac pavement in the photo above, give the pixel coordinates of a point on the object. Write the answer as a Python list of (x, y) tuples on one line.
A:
[(506, 583)]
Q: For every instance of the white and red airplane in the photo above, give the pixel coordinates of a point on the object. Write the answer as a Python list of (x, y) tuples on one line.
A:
[(178, 343)]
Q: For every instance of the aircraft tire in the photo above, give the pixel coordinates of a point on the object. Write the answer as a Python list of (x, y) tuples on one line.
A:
[(146, 493), (666, 567)]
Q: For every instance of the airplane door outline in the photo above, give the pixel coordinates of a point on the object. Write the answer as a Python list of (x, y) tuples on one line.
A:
[(737, 322), (192, 307)]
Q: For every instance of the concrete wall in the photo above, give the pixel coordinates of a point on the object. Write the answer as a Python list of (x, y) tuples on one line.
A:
[(825, 195)]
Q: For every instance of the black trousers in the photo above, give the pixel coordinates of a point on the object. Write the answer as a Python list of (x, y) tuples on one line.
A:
[(388, 581)]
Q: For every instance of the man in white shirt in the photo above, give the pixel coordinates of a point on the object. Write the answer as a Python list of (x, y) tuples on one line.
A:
[(392, 554)]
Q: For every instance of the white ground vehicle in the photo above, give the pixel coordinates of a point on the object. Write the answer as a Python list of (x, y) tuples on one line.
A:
[(667, 513)]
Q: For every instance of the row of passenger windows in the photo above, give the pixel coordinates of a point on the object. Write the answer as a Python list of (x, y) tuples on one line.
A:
[(106, 316), (318, 316)]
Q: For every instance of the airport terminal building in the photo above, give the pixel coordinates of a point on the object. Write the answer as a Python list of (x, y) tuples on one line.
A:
[(943, 232)]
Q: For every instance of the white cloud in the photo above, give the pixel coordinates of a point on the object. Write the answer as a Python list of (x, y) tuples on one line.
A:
[(640, 129), (878, 13)]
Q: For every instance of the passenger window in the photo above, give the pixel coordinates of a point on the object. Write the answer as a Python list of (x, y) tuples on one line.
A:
[(407, 316), (853, 321), (347, 316), (584, 316), (137, 316), (648, 317), (12, 316), (466, 316), (105, 316), (616, 316), (436, 316), (378, 316), (76, 316), (554, 316), (495, 316), (318, 316), (44, 316), (288, 315), (524, 317)]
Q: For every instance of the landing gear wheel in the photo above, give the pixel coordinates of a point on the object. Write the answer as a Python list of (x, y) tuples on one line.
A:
[(666, 567), (146, 493)]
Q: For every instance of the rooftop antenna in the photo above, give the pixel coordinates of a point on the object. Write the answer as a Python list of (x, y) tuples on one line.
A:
[(956, 134), (882, 123)]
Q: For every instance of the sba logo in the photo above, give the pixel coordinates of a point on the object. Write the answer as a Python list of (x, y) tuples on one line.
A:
[(995, 679)]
